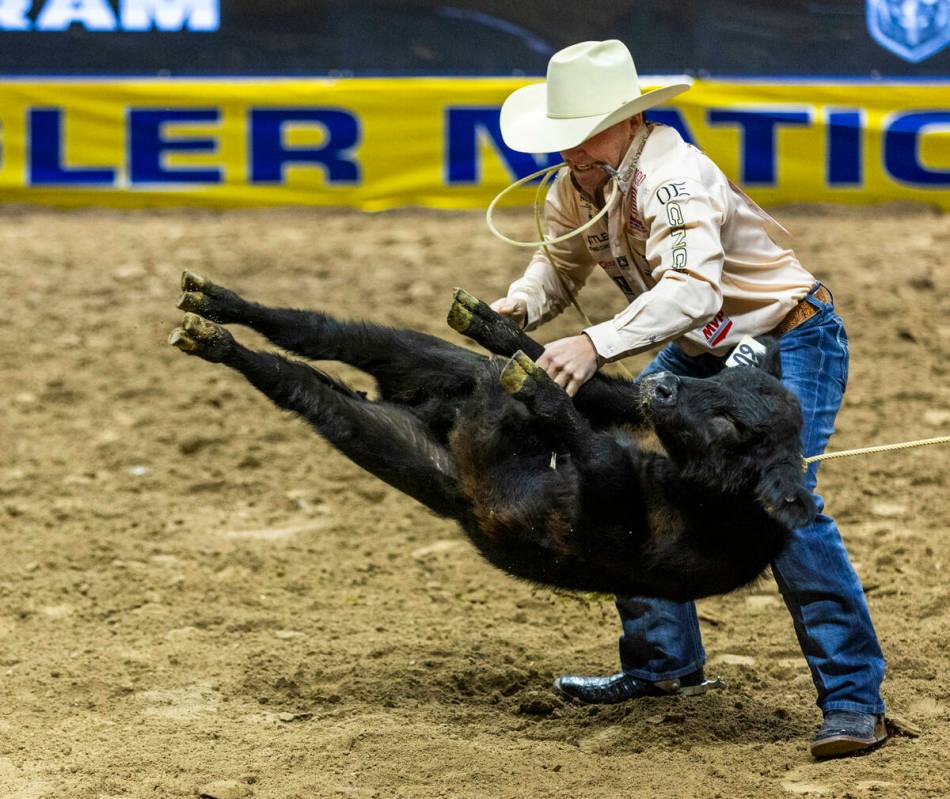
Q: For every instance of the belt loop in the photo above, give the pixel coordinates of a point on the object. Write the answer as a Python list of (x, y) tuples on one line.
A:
[(830, 294), (815, 301)]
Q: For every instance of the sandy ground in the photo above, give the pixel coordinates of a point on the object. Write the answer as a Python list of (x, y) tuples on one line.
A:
[(198, 596)]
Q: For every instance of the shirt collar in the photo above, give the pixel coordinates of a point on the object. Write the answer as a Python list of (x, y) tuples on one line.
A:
[(627, 164)]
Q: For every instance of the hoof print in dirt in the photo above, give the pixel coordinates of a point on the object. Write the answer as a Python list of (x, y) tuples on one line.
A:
[(197, 336), (225, 789)]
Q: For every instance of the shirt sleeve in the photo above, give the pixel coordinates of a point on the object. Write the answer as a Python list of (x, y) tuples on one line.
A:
[(542, 286), (685, 254)]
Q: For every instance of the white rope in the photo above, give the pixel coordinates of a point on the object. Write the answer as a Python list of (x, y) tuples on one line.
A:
[(544, 241)]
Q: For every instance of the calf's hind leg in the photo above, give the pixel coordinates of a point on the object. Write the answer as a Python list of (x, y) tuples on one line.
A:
[(409, 366), (384, 439)]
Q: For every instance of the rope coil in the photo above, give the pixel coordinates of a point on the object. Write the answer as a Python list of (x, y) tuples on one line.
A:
[(544, 241)]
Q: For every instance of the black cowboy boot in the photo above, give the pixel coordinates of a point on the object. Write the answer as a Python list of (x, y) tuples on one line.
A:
[(621, 687)]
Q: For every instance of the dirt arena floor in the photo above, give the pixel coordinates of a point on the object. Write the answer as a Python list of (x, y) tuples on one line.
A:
[(197, 596)]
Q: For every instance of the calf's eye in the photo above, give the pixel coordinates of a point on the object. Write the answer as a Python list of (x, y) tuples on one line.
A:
[(722, 425)]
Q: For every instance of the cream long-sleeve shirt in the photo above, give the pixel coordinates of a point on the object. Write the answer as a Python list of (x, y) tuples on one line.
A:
[(699, 262)]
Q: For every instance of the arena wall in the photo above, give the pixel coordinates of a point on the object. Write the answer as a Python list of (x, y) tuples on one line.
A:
[(376, 143)]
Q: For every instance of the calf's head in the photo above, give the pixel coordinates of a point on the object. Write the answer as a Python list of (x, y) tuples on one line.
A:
[(736, 432)]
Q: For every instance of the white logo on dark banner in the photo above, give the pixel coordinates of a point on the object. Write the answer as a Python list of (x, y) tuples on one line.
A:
[(101, 15), (911, 29)]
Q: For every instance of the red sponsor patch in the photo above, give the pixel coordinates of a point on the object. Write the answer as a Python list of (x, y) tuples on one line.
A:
[(717, 329)]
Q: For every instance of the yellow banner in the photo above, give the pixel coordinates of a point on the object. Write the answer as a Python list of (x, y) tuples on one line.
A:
[(376, 143)]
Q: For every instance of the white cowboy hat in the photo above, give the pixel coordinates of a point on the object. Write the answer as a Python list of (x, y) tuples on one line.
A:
[(590, 86)]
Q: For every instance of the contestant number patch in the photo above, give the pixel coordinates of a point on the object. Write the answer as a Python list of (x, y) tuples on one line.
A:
[(748, 352)]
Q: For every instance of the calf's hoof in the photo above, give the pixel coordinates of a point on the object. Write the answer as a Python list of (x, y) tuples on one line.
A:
[(464, 308), (197, 336), (193, 301), (193, 282), (470, 301), (522, 377), (467, 307), (459, 318), (211, 301)]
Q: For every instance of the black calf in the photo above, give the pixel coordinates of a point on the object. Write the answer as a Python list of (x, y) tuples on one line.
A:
[(548, 489)]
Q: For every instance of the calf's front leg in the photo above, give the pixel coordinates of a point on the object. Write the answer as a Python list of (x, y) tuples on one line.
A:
[(601, 461), (604, 400), (530, 384), (473, 318)]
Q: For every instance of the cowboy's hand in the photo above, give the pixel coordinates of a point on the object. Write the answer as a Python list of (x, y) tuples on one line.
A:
[(570, 362), (515, 309)]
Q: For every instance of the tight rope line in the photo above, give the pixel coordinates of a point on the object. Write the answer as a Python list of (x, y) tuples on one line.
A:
[(539, 196), (923, 442)]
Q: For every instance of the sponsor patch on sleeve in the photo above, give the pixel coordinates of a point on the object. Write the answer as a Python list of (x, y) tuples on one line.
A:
[(671, 196), (717, 329)]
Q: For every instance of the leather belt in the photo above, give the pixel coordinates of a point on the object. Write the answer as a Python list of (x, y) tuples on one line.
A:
[(802, 312)]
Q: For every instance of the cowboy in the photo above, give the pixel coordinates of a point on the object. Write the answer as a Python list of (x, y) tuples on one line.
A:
[(701, 266)]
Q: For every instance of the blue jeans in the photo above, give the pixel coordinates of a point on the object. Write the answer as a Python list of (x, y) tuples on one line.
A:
[(661, 639)]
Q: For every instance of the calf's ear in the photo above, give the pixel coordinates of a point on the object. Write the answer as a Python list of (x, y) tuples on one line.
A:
[(783, 495), (772, 359)]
